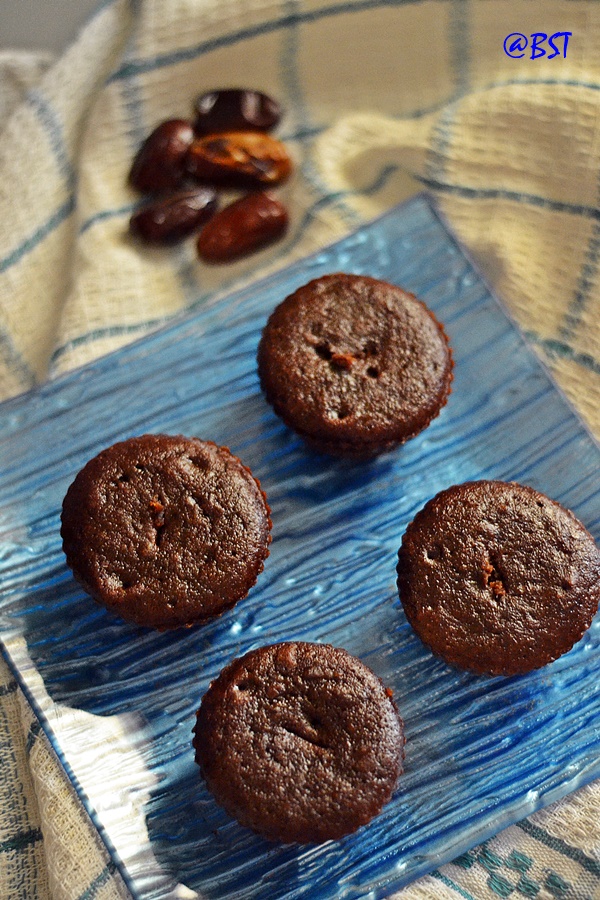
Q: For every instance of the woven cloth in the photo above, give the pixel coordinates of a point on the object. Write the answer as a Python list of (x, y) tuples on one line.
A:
[(382, 98)]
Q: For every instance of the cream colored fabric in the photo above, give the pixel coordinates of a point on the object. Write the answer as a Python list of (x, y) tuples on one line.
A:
[(383, 98)]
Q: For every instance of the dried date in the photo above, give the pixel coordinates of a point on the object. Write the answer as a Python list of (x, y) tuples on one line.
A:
[(160, 163), (235, 109), (239, 158), (246, 225), (174, 216)]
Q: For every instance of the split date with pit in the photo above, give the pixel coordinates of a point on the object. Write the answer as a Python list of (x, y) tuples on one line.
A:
[(537, 45)]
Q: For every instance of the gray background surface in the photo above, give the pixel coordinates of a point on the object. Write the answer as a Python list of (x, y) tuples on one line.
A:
[(42, 24)]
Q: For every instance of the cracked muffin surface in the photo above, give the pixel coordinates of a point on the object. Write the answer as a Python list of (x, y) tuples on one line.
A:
[(354, 365), (300, 742), (166, 531), (497, 578)]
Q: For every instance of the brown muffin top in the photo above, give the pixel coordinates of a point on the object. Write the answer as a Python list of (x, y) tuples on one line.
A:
[(299, 741), (166, 531), (497, 578), (354, 364)]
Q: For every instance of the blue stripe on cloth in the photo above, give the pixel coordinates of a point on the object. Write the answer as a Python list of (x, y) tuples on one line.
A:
[(549, 82), (56, 219), (132, 99), (462, 190), (53, 128), (559, 846), (131, 96), (52, 125), (561, 349), (177, 56), (98, 882), (109, 214), (585, 283), (32, 735), (441, 136), (293, 85), (108, 332), (435, 163), (288, 64), (15, 361), (460, 45), (21, 840)]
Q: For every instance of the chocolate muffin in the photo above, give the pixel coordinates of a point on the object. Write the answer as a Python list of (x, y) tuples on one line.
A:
[(497, 578), (166, 531), (354, 365), (300, 742)]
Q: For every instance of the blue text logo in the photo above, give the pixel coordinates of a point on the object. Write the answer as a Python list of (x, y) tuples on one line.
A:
[(516, 44)]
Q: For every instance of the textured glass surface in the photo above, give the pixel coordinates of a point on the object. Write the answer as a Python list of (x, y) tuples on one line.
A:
[(481, 752)]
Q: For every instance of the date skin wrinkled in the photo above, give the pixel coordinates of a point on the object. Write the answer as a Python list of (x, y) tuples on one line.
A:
[(239, 158), (160, 163), (247, 225), (171, 218), (235, 109)]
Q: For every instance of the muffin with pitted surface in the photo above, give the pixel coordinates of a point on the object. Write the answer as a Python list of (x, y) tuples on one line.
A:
[(300, 742), (497, 578), (166, 531), (354, 365)]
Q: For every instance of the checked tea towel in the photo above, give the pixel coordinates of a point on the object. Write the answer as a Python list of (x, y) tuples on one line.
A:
[(382, 98)]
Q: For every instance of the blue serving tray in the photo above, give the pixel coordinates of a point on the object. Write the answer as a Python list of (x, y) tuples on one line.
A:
[(481, 752)]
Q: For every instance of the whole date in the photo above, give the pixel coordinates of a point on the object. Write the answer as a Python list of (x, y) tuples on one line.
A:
[(235, 109), (171, 217), (239, 158), (247, 225), (160, 163)]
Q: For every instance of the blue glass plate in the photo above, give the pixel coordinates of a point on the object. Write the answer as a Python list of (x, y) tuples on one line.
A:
[(481, 752)]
